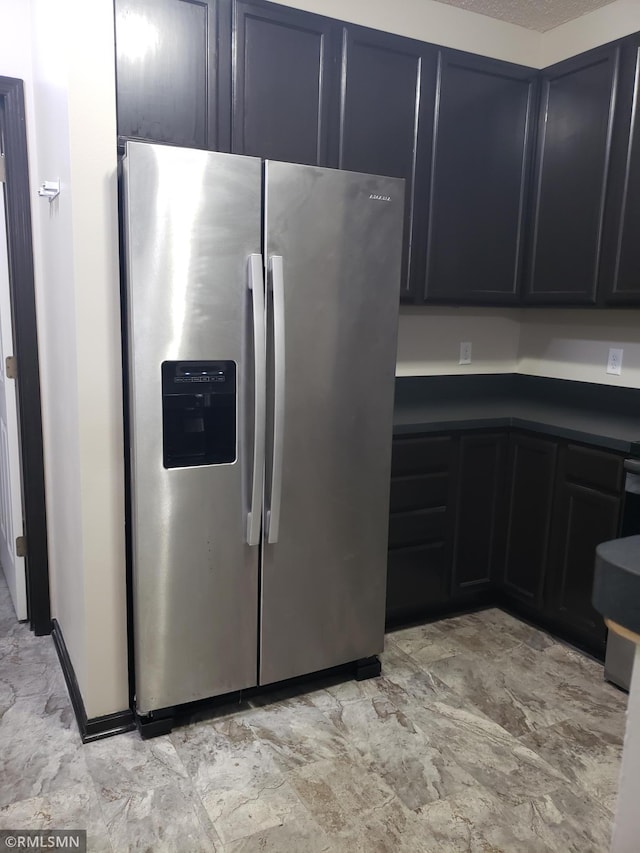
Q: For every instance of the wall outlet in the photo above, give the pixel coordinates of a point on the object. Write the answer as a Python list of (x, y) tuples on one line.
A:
[(614, 362), (465, 352)]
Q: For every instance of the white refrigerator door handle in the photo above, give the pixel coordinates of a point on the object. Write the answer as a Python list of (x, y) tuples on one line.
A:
[(256, 286), (277, 285)]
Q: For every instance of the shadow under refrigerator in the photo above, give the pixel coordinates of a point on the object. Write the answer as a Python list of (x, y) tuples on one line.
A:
[(261, 303)]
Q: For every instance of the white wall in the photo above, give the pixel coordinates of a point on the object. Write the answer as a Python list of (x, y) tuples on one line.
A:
[(606, 24), (92, 136), (55, 295), (54, 302), (562, 343), (429, 340), (70, 93), (574, 344), (438, 23)]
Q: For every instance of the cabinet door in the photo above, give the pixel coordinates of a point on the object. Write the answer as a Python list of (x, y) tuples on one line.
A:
[(388, 86), (572, 168), (481, 163), (167, 80), (532, 463), (479, 526), (619, 276), (584, 516), (284, 81)]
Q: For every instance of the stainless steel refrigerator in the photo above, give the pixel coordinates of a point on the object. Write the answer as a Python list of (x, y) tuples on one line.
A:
[(262, 303)]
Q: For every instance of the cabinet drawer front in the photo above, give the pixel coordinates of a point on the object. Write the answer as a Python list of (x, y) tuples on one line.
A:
[(420, 455), (595, 468), (423, 526), (419, 492)]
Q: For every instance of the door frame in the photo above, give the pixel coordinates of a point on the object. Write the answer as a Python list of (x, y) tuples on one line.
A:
[(25, 344)]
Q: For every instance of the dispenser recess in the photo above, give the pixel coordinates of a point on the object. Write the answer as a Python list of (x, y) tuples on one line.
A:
[(198, 413)]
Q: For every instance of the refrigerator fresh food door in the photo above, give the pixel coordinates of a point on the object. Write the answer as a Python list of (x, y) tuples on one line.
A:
[(193, 221), (333, 248)]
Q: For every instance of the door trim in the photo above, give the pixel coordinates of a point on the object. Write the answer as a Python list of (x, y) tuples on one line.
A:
[(23, 309)]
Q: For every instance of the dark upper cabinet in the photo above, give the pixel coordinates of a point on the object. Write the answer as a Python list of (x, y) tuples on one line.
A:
[(586, 512), (167, 79), (479, 523), (572, 168), (532, 464), (521, 185), (388, 87), (482, 147), (620, 268), (284, 82)]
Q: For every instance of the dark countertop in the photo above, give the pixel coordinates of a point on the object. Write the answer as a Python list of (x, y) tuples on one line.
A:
[(600, 415)]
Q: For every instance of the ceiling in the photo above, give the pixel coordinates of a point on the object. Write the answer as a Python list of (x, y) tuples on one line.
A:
[(540, 15)]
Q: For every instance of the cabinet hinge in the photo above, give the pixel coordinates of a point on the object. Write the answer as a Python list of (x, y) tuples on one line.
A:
[(2, 169), (11, 367), (21, 546)]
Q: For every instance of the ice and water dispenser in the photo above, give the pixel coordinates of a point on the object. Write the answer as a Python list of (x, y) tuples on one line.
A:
[(198, 413)]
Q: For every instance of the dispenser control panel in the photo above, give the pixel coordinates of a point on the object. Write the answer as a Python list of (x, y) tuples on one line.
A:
[(198, 413)]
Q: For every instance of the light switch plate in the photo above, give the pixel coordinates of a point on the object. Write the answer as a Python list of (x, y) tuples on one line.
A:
[(465, 352), (614, 362)]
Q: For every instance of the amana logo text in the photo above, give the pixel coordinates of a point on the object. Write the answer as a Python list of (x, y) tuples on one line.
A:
[(377, 197)]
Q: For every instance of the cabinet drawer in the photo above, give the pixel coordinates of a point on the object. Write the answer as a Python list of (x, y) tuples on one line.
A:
[(594, 468), (419, 492), (420, 455), (420, 526)]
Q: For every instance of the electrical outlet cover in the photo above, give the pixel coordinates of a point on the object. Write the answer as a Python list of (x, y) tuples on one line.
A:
[(614, 362)]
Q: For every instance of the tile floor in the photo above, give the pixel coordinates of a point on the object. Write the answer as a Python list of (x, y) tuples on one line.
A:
[(483, 734)]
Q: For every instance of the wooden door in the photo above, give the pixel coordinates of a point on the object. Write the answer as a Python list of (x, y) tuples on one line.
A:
[(572, 171), (284, 83), (167, 71), (386, 115), (483, 136), (532, 463), (479, 527)]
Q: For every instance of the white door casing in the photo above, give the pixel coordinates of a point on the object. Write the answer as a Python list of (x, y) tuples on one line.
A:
[(11, 524)]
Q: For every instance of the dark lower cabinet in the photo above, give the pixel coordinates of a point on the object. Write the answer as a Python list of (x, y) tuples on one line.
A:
[(386, 116), (501, 517), (446, 531), (420, 526), (571, 179), (284, 81), (586, 512), (532, 464), (480, 504), (167, 65), (482, 144)]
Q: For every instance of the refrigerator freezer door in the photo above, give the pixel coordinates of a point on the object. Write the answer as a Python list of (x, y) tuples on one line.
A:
[(193, 219), (324, 570)]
